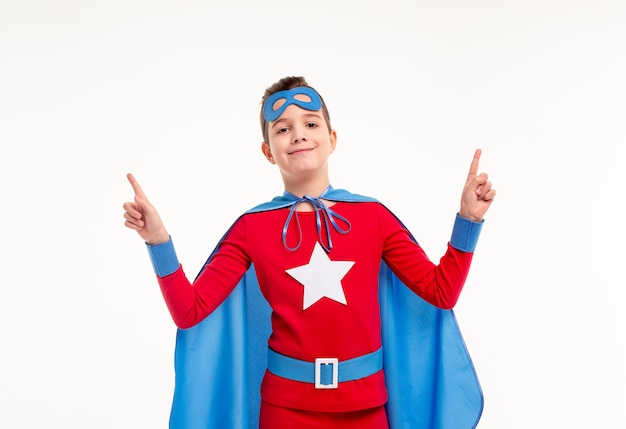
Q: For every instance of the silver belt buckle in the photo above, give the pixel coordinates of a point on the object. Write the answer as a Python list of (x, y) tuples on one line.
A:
[(318, 373)]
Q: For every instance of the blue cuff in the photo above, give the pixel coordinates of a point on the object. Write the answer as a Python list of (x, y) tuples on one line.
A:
[(163, 258), (465, 234)]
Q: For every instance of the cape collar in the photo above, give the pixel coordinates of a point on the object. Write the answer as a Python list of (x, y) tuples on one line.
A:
[(325, 217)]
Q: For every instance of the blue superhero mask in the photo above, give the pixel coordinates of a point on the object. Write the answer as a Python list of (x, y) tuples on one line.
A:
[(270, 114)]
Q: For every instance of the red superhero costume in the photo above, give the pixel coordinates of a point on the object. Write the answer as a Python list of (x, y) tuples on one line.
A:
[(323, 304)]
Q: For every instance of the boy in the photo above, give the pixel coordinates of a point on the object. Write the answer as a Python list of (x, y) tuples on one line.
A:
[(329, 263)]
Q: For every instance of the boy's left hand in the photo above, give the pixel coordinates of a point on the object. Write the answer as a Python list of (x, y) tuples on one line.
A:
[(477, 193)]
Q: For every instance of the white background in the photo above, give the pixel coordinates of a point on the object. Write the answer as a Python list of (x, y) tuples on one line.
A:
[(170, 91)]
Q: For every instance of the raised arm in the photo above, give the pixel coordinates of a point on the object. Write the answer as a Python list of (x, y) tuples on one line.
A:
[(477, 193), (142, 217)]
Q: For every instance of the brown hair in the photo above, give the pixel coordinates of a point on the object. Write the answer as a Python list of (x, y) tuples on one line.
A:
[(285, 83)]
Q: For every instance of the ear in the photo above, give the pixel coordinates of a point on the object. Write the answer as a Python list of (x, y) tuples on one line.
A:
[(265, 148), (333, 140)]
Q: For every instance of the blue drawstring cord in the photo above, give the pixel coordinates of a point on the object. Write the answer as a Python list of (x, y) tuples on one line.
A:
[(323, 215)]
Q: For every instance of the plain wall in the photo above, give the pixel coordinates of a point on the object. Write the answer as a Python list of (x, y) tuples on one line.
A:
[(170, 91)]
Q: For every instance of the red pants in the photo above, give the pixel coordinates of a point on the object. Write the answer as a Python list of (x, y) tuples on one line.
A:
[(276, 417)]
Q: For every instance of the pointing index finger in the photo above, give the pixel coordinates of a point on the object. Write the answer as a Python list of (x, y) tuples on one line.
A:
[(473, 171), (135, 184)]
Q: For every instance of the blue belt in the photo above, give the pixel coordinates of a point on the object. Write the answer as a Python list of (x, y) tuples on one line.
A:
[(325, 373)]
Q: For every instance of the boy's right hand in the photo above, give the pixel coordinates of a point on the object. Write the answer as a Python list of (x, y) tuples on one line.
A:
[(141, 216)]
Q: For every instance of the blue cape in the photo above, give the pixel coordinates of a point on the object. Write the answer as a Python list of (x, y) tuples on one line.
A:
[(220, 362)]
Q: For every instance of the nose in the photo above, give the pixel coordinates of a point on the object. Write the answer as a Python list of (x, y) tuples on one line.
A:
[(299, 137)]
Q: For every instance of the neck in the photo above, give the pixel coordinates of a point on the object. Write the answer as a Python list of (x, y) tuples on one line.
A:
[(313, 187)]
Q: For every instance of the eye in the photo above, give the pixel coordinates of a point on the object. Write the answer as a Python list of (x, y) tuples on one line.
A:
[(282, 130), (311, 125)]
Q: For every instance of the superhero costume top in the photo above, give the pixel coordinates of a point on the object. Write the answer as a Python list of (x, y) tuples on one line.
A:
[(420, 341)]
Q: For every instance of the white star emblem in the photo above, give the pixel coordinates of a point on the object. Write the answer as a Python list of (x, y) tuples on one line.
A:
[(321, 277)]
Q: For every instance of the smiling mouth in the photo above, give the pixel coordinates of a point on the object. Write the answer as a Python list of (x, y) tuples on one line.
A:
[(299, 151)]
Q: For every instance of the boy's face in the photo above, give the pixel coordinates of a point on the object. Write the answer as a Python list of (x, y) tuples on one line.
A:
[(300, 143)]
